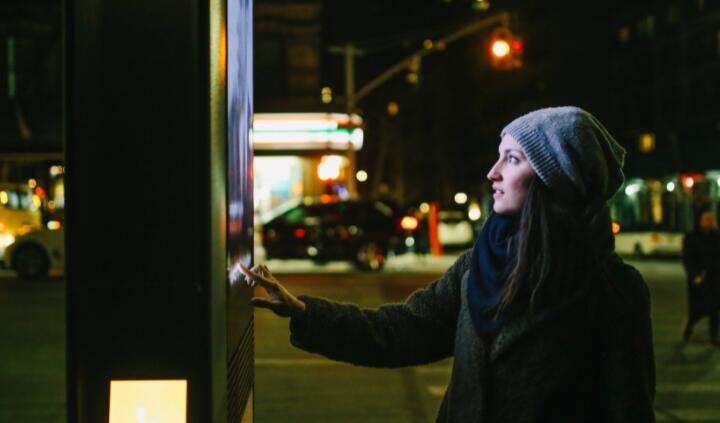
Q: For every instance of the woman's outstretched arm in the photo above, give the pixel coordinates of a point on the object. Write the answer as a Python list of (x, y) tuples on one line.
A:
[(420, 330)]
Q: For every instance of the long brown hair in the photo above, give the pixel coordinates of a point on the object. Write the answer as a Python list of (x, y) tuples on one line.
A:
[(559, 249)]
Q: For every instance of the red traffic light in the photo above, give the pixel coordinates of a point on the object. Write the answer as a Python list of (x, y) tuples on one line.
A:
[(505, 49), (517, 45)]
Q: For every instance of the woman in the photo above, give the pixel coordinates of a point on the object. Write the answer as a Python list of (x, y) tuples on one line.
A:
[(701, 253), (545, 322)]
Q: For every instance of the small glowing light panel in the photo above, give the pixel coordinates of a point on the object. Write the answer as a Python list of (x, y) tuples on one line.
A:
[(148, 401)]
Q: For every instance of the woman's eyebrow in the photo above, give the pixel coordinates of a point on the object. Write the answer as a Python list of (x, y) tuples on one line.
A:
[(513, 150)]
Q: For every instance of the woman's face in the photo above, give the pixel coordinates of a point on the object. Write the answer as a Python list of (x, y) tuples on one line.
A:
[(510, 177)]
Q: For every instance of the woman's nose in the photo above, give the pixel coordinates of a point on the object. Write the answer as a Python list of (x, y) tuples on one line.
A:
[(493, 174)]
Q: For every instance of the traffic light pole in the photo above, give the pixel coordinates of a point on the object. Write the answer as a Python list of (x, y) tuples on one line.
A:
[(349, 51)]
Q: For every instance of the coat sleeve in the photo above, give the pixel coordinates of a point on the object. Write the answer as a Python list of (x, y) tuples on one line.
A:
[(630, 359), (419, 331)]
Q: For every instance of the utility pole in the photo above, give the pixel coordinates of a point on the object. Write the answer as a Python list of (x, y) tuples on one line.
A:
[(349, 52)]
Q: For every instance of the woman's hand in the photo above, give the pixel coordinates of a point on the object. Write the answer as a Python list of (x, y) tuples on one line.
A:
[(281, 301)]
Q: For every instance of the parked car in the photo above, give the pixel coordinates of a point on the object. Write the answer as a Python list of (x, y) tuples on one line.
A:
[(455, 230), (643, 243), (19, 212), (362, 231), (34, 254)]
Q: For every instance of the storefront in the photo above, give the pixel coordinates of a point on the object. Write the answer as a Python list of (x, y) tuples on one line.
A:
[(300, 155)]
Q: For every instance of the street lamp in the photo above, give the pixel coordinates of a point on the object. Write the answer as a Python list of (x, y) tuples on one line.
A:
[(461, 198)]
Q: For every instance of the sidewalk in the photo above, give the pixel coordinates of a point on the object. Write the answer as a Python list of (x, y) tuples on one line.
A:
[(403, 263)]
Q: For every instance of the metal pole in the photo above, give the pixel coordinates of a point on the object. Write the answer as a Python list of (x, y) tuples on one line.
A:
[(349, 77)]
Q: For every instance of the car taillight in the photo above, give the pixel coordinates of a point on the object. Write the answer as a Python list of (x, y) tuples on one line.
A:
[(299, 233), (409, 223)]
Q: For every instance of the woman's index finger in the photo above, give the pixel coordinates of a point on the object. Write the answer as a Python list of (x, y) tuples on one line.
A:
[(256, 277)]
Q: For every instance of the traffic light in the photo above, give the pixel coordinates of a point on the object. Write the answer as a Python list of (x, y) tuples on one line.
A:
[(413, 75), (505, 49)]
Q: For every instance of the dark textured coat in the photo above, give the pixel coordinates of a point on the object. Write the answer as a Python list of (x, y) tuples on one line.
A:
[(564, 364)]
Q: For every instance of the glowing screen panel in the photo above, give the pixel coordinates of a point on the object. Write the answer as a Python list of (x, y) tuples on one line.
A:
[(148, 401)]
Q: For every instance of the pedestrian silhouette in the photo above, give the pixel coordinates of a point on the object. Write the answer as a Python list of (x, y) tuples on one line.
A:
[(701, 258)]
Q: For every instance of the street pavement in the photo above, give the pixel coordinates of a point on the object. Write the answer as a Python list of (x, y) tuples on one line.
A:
[(294, 386)]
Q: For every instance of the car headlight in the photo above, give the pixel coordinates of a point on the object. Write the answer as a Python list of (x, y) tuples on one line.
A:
[(6, 239)]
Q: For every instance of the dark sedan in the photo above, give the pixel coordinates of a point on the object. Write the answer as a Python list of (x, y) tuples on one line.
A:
[(362, 231)]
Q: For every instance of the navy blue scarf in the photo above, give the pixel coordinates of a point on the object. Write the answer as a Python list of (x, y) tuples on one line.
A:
[(488, 272)]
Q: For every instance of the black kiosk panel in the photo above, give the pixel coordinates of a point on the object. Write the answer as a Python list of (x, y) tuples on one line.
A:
[(153, 182)]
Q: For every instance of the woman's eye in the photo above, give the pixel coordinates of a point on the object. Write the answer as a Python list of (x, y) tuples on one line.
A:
[(513, 160)]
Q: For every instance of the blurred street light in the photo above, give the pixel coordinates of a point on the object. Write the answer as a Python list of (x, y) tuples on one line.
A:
[(56, 171), (326, 95), (481, 5), (689, 180), (413, 76), (329, 168), (393, 108), (646, 143), (361, 176), (474, 212), (632, 189), (461, 198), (670, 186)]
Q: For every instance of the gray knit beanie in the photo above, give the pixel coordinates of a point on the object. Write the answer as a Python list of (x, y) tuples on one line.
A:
[(571, 152)]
